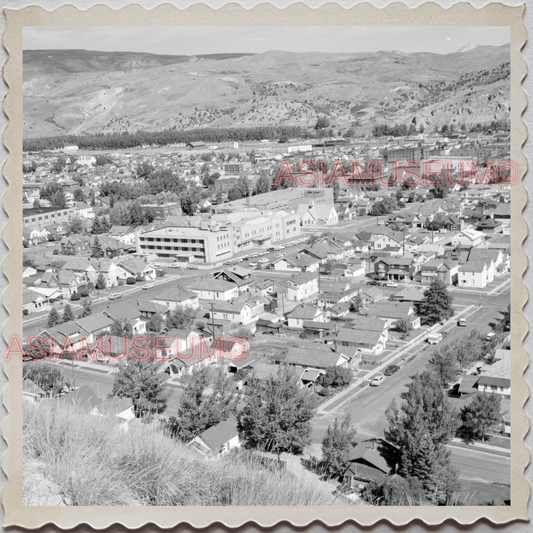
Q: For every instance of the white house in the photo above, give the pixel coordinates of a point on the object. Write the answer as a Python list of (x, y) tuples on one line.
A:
[(475, 274), (217, 440)]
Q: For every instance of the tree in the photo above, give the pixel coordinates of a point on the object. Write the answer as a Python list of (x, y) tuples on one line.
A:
[(155, 323), (78, 195), (322, 122), (203, 404), (420, 430), (53, 318), (96, 227), (86, 309), (181, 317), (277, 413), (100, 282), (337, 445), (142, 382), (68, 315), (437, 303), (263, 185), (58, 199), (45, 375), (75, 226), (335, 376), (121, 328), (480, 415), (96, 249), (443, 363), (356, 304), (395, 491), (403, 326)]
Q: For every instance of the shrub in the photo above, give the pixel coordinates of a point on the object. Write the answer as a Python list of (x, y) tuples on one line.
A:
[(25, 312), (131, 281), (75, 296)]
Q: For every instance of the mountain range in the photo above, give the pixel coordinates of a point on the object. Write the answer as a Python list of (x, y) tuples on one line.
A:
[(81, 91)]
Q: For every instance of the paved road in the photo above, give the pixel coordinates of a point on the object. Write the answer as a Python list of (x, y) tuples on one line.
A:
[(481, 466)]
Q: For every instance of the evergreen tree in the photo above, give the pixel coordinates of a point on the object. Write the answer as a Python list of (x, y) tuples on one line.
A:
[(87, 308), (47, 376), (53, 318), (204, 405), (443, 363), (336, 446), (100, 282), (420, 430), (277, 413), (121, 328), (142, 382), (480, 415), (96, 249), (96, 227), (437, 303), (68, 315)]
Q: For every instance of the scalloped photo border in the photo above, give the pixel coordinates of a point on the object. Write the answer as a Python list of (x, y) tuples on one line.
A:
[(396, 14)]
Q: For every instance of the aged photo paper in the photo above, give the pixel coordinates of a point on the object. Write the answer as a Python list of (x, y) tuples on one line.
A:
[(262, 258)]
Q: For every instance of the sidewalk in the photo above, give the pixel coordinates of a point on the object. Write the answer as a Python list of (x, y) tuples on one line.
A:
[(346, 393), (480, 447)]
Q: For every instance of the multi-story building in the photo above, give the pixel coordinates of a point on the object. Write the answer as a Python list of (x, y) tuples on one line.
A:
[(206, 244), (39, 217)]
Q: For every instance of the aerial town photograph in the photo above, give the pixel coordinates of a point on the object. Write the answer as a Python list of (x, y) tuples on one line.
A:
[(266, 268)]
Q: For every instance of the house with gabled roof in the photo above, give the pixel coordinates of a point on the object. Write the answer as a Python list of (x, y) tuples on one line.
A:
[(300, 287), (368, 341), (177, 297), (95, 324), (69, 281), (218, 440), (75, 244), (123, 234), (476, 274), (297, 262), (302, 313), (392, 312), (444, 269), (312, 215), (213, 289), (119, 311)]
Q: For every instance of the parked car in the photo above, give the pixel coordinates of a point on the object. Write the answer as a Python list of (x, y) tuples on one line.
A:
[(461, 322), (253, 265), (114, 296), (391, 284), (263, 260), (192, 267), (490, 336), (379, 378), (435, 338), (391, 369), (149, 286), (372, 282), (174, 265)]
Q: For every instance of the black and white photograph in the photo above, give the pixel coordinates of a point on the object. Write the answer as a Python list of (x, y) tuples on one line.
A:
[(266, 266)]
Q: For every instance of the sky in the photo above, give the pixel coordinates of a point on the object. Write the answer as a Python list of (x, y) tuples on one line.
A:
[(196, 40)]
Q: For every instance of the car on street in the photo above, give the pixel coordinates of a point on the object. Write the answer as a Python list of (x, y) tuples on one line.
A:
[(379, 378), (391, 369), (372, 282), (461, 322), (174, 265), (490, 336), (114, 296), (149, 286), (435, 338), (263, 260), (192, 267), (391, 284), (253, 265)]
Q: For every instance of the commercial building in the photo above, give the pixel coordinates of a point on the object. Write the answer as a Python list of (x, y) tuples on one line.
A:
[(39, 217), (206, 244)]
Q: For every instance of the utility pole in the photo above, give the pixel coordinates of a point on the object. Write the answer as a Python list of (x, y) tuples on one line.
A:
[(212, 306)]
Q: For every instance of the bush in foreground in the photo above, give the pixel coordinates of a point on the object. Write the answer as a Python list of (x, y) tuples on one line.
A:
[(95, 463)]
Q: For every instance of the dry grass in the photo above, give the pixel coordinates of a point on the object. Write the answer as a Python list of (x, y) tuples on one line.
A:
[(92, 462)]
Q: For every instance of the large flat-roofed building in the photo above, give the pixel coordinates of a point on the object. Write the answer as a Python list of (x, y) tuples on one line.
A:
[(203, 245), (280, 199), (39, 217), (261, 228)]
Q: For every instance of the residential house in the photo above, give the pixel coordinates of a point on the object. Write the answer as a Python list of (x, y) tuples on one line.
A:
[(218, 440), (94, 325), (297, 261), (303, 313), (214, 289), (119, 311), (177, 297), (75, 244), (468, 238), (476, 274), (322, 214), (444, 269), (392, 312), (370, 460), (316, 356), (137, 268), (301, 287), (240, 312), (371, 341), (123, 234), (395, 268)]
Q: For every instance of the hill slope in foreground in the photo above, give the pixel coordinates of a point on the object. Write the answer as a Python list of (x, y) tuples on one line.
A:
[(79, 91), (72, 458)]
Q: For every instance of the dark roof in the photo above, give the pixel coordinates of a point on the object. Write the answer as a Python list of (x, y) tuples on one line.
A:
[(494, 382), (215, 437)]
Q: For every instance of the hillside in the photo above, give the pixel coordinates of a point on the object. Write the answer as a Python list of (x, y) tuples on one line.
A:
[(72, 458), (78, 91)]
